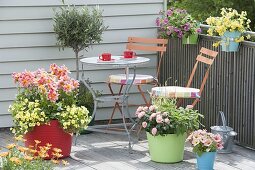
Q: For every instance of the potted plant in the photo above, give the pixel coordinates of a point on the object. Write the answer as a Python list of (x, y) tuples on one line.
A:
[(46, 108), (166, 128), (205, 146), (78, 28), (179, 24), (230, 26)]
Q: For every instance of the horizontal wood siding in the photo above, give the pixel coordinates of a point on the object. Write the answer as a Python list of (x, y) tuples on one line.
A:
[(27, 41)]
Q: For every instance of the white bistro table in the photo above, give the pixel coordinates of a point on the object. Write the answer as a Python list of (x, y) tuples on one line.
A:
[(116, 62)]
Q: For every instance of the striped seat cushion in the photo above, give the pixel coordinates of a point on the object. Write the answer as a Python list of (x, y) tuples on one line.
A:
[(175, 92), (139, 79)]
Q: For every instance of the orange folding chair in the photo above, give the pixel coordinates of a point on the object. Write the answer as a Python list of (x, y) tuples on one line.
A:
[(206, 56), (206, 60), (140, 44)]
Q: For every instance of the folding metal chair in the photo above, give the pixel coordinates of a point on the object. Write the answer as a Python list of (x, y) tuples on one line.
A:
[(206, 56), (139, 44)]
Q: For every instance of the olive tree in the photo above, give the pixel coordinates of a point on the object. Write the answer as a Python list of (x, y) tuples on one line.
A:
[(78, 28)]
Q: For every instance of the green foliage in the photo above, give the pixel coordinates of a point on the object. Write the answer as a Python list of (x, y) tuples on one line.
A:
[(78, 28), (199, 149), (182, 119), (202, 9), (164, 118), (85, 98)]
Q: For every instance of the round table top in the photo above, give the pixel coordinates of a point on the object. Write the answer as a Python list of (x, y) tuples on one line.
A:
[(116, 61)]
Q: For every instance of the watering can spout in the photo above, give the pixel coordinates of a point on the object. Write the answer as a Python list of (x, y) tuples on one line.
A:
[(232, 133)]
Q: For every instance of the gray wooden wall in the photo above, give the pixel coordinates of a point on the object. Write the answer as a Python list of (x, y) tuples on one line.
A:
[(27, 41)]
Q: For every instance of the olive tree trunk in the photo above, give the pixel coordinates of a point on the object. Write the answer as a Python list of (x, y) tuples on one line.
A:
[(77, 65)]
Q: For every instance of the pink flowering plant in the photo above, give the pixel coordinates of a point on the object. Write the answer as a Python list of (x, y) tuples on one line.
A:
[(165, 118), (203, 141), (44, 96), (177, 23)]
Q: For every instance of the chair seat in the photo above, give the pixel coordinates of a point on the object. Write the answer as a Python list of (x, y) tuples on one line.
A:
[(175, 92), (139, 79)]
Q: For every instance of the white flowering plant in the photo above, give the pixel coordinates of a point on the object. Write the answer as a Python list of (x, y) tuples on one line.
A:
[(165, 118), (203, 141)]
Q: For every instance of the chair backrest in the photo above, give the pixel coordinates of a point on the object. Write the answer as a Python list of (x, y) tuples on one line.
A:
[(206, 56), (148, 44)]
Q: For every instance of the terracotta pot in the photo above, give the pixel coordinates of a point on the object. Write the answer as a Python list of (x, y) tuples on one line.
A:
[(52, 134)]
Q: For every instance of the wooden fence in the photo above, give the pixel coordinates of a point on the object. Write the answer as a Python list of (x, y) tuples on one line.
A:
[(230, 87)]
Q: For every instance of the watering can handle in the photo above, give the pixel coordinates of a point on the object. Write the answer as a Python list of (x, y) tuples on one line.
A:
[(223, 119)]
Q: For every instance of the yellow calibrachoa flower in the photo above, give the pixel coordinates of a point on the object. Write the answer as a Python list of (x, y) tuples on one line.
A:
[(240, 39), (231, 21), (216, 44)]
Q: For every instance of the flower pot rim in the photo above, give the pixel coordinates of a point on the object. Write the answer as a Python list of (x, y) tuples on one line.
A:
[(167, 134), (205, 153)]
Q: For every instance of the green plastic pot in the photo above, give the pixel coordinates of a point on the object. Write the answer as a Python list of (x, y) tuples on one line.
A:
[(166, 149), (192, 39)]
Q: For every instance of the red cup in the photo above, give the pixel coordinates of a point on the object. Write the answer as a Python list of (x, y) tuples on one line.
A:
[(129, 54), (105, 57)]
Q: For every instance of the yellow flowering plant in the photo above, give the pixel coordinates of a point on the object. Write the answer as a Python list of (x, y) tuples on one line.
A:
[(230, 20), (44, 96), (18, 157)]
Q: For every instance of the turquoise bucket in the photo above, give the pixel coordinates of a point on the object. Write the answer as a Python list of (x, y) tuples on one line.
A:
[(228, 43), (206, 161)]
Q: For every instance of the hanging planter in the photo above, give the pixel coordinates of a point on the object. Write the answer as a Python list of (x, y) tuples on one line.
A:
[(192, 39), (178, 23), (228, 41), (230, 26)]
